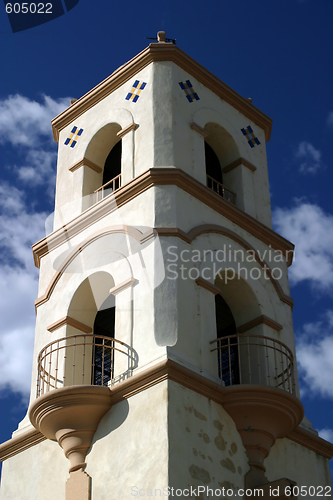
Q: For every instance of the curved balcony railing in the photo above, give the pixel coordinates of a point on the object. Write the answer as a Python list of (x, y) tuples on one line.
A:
[(220, 189), (108, 188), (250, 359), (84, 359)]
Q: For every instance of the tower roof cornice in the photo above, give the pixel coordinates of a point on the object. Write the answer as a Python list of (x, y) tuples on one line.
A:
[(157, 52)]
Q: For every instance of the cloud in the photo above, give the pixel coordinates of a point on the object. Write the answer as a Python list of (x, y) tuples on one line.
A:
[(310, 158), (311, 230), (314, 347), (326, 434), (19, 287), (23, 121)]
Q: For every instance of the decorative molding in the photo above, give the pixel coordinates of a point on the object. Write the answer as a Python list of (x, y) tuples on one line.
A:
[(157, 52), (123, 286), (143, 237), (208, 286), (132, 231), (260, 320), (19, 443), (213, 228), (84, 162), (236, 163), (199, 130), (168, 370), (71, 322), (125, 130), (159, 177), (312, 442)]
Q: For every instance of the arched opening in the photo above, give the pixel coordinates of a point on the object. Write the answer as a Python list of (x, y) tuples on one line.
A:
[(103, 353), (213, 167), (220, 151), (112, 170), (227, 353)]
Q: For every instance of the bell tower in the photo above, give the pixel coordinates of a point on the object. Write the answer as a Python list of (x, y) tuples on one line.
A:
[(164, 354)]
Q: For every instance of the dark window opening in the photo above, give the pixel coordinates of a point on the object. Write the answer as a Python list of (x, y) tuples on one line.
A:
[(213, 167), (112, 166), (228, 367), (103, 353)]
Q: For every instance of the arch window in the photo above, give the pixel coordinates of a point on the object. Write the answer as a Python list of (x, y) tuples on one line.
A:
[(228, 365), (103, 352)]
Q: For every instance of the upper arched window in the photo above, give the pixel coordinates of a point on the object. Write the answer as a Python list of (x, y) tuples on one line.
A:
[(213, 167), (228, 367), (112, 170)]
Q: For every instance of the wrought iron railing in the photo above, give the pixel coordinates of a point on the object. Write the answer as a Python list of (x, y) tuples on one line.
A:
[(249, 359), (108, 188), (84, 359), (221, 190)]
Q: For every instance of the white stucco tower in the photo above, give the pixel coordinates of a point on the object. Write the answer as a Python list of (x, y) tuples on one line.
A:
[(164, 349)]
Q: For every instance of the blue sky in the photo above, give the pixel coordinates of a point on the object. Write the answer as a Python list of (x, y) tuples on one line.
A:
[(279, 53)]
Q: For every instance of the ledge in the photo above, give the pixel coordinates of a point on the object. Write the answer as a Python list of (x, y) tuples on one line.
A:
[(162, 177), (157, 52), (168, 370)]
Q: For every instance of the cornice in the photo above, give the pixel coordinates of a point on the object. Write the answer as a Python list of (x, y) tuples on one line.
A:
[(159, 177), (169, 370), (236, 163), (125, 130), (260, 320), (157, 52), (67, 320), (131, 282), (208, 286), (87, 163)]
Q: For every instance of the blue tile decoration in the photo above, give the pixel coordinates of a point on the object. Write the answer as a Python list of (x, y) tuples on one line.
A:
[(136, 91), (188, 89), (72, 139), (251, 138)]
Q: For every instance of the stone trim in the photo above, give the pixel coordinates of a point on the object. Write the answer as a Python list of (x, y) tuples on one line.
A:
[(125, 130), (199, 130), (132, 231), (157, 52), (142, 237), (161, 177), (168, 370), (260, 320), (67, 320), (213, 228), (123, 286), (236, 163), (84, 162), (208, 286)]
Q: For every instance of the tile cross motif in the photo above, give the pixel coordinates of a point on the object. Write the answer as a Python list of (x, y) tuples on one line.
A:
[(188, 89), (136, 91), (72, 139), (251, 138)]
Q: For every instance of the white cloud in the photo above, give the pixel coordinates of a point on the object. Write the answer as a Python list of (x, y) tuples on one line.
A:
[(311, 230), (310, 158), (314, 356), (18, 284), (23, 121), (326, 434), (330, 118)]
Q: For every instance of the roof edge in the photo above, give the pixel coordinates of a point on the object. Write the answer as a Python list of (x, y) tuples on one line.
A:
[(157, 52)]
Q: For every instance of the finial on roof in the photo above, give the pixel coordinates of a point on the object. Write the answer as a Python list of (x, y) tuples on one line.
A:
[(161, 36)]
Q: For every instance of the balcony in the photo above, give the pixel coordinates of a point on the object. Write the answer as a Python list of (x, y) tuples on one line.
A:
[(221, 190), (73, 390), (84, 360), (249, 359), (257, 373), (107, 188)]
